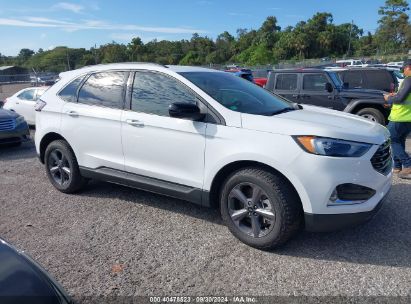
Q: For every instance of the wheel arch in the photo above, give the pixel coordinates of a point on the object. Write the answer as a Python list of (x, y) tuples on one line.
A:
[(46, 140), (229, 168)]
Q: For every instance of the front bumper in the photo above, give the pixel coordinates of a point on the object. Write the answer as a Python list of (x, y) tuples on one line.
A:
[(19, 134), (333, 222)]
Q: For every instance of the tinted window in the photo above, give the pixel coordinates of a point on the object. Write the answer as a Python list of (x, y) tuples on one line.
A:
[(103, 89), (314, 82), (354, 79), (153, 93), (379, 80), (69, 93), (27, 95), (287, 82), (237, 94)]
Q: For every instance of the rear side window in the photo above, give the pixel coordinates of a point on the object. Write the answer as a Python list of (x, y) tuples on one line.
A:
[(69, 93), (153, 93), (314, 82), (103, 89), (379, 80), (286, 82), (354, 79), (27, 95)]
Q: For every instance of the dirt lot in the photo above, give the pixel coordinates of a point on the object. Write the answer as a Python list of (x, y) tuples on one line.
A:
[(6, 90), (112, 240)]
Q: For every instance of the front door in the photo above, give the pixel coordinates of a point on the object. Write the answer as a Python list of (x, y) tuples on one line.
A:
[(314, 91), (155, 144), (286, 85)]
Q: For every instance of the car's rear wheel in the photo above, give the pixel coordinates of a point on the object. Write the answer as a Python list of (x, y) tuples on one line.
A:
[(372, 114), (260, 208), (62, 167)]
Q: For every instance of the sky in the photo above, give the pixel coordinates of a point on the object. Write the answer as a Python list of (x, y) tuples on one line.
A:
[(47, 24)]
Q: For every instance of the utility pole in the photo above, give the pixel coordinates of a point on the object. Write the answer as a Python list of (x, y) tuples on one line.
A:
[(349, 40), (68, 61)]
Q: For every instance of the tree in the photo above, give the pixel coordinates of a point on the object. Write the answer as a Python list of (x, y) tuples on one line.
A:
[(25, 54), (392, 33)]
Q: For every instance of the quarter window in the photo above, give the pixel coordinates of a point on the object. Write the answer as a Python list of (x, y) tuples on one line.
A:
[(286, 82), (153, 93), (314, 82), (103, 89), (69, 93)]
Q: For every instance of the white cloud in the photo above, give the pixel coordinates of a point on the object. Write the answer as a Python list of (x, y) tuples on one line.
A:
[(75, 8), (43, 35), (238, 14), (93, 25)]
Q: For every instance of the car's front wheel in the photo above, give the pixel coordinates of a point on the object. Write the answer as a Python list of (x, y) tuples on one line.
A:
[(260, 208), (62, 167), (372, 114)]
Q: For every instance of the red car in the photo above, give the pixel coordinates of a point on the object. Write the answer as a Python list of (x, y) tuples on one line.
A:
[(260, 77)]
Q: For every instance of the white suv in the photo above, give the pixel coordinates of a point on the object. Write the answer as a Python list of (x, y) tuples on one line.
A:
[(214, 139)]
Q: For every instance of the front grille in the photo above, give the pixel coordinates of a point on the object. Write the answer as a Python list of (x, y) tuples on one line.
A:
[(7, 124), (382, 159)]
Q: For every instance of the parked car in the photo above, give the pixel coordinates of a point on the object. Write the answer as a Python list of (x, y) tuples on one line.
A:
[(243, 73), (369, 78), (43, 80), (260, 77), (23, 103), (13, 128), (398, 64), (209, 137), (324, 88), (25, 281), (349, 62)]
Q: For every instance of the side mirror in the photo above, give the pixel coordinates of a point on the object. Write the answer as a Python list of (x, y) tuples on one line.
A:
[(185, 111), (329, 87)]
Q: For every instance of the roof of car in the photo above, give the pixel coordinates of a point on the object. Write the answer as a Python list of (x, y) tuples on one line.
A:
[(299, 70), (134, 65)]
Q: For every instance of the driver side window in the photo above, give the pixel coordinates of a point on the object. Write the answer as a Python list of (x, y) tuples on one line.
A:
[(154, 92)]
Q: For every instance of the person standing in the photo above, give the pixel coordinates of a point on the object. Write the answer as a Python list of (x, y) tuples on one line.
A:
[(400, 123)]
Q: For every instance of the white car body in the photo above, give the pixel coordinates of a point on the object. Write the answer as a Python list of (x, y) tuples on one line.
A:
[(192, 153), (23, 103), (350, 62)]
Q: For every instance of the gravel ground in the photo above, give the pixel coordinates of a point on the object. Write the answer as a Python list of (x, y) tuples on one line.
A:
[(112, 240)]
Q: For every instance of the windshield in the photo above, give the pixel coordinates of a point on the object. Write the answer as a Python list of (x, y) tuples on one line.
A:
[(336, 79), (238, 94)]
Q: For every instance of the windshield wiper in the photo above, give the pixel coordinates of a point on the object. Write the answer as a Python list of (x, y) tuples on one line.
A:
[(285, 110)]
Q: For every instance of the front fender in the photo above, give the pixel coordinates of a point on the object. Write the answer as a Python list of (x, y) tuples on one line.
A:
[(369, 102)]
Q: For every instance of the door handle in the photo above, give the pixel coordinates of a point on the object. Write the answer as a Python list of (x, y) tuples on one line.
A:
[(72, 113), (135, 123)]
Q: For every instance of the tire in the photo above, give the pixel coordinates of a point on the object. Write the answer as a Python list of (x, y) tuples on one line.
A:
[(278, 201), (62, 168), (372, 114)]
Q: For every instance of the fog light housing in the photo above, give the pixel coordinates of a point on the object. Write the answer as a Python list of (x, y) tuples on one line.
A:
[(350, 194)]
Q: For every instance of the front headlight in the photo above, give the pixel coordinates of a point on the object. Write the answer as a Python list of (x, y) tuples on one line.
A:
[(19, 120), (332, 147)]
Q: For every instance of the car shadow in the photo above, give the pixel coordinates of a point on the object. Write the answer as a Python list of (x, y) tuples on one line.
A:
[(24, 151), (385, 240)]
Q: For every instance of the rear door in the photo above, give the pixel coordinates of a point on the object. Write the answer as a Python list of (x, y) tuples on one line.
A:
[(313, 90), (25, 103), (92, 123), (286, 85)]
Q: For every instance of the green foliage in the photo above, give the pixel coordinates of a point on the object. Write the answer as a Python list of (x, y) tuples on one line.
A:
[(315, 38)]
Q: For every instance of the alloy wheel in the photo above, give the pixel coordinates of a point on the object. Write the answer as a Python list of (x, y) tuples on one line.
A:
[(59, 167), (251, 210)]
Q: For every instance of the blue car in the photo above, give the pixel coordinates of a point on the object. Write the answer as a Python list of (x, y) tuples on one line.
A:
[(243, 73), (13, 128)]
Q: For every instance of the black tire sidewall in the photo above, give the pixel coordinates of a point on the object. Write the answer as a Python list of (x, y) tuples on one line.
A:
[(374, 112), (275, 234), (64, 148)]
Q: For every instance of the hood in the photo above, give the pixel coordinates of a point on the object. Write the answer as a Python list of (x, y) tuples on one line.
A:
[(361, 93), (7, 114), (318, 121)]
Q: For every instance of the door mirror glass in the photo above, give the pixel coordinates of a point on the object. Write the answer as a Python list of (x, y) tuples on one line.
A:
[(185, 111), (329, 87)]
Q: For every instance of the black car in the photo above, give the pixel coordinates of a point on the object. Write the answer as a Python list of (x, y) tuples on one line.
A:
[(13, 128), (324, 88), (22, 280), (369, 78)]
